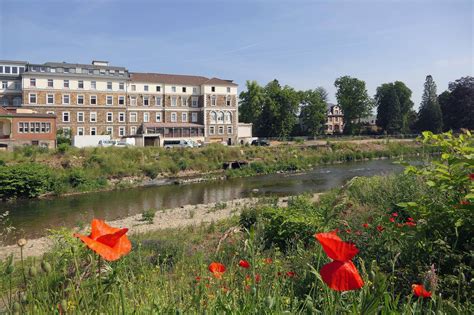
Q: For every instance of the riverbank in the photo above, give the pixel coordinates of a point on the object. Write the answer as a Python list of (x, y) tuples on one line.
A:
[(30, 172), (174, 218)]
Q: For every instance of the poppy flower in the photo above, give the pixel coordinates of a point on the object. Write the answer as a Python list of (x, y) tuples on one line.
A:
[(465, 202), (348, 231), (410, 219), (380, 228), (392, 220), (365, 225), (410, 223), (420, 291), (109, 242), (257, 278), (268, 261), (217, 269), (471, 176), (290, 274), (244, 264), (395, 214), (341, 274)]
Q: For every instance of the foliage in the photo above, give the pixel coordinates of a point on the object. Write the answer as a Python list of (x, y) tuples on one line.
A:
[(63, 136), (250, 105), (28, 181), (354, 101), (393, 101), (313, 111), (429, 116), (457, 104)]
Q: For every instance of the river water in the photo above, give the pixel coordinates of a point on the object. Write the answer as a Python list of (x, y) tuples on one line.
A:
[(33, 217)]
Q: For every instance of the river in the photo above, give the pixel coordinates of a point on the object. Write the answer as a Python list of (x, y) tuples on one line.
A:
[(34, 216)]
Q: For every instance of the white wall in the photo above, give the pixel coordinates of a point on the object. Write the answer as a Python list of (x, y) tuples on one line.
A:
[(88, 141)]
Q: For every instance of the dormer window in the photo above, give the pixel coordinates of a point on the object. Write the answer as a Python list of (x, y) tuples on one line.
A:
[(213, 88)]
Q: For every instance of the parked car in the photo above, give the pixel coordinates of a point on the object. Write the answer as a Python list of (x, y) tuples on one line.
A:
[(168, 144), (121, 144), (107, 143), (261, 143)]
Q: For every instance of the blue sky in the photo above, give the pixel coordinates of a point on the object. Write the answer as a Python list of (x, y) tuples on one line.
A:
[(304, 44)]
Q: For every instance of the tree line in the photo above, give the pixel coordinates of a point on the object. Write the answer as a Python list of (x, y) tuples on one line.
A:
[(282, 111)]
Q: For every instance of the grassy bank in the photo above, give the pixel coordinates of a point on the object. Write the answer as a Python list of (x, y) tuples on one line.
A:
[(412, 228), (30, 172)]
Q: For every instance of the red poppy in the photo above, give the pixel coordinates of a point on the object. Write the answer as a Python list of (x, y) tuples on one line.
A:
[(366, 225), (471, 176), (392, 220), (380, 228), (268, 261), (394, 214), (198, 279), (420, 291), (465, 202), (217, 269), (336, 248), (410, 219), (257, 278), (341, 276), (290, 274), (244, 264), (410, 223), (109, 242)]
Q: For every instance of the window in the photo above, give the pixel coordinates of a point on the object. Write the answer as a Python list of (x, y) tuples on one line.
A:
[(110, 117), (32, 98), (174, 117), (211, 130), (50, 99), (4, 84), (173, 101), (121, 117), (184, 89), (93, 117), (134, 87), (109, 100), (80, 131), (213, 100), (43, 127), (66, 99), (229, 130), (121, 86), (173, 89), (194, 102), (195, 90), (93, 85), (213, 88), (133, 130), (221, 130), (194, 117), (133, 100), (4, 101), (158, 117), (93, 99), (121, 131), (220, 117), (133, 117), (228, 117), (20, 127), (80, 100), (65, 116), (32, 82), (158, 88), (17, 85), (228, 100), (146, 101), (121, 100), (80, 116), (80, 84), (17, 101), (14, 69), (93, 131), (158, 100), (7, 69), (66, 70), (145, 88), (184, 101), (109, 86), (228, 89), (109, 130), (184, 117), (50, 83), (213, 117), (66, 84)]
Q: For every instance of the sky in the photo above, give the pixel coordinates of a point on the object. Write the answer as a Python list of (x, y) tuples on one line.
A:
[(303, 44)]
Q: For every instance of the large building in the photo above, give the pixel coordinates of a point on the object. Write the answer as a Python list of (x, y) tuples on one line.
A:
[(335, 119), (97, 99)]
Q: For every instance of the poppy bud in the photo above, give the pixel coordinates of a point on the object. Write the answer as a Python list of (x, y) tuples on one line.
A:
[(21, 242), (310, 307), (16, 307), (254, 290), (46, 267), (32, 272)]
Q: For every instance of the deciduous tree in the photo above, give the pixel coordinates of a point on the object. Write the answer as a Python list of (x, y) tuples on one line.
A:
[(313, 111)]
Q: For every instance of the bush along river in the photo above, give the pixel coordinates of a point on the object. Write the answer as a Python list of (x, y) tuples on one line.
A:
[(33, 217)]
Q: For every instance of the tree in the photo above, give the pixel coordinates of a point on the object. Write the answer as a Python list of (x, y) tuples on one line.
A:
[(429, 115), (457, 104), (354, 101), (251, 102), (313, 111), (393, 101)]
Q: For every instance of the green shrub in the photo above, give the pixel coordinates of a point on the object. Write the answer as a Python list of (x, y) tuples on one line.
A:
[(148, 215), (25, 180)]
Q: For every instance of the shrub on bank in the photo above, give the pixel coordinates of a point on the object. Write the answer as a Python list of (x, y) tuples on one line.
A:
[(28, 181)]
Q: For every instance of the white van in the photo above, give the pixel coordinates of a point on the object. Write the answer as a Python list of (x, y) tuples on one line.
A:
[(107, 143), (168, 144)]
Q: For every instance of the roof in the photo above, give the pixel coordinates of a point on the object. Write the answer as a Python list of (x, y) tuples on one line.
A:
[(79, 65), (171, 125), (14, 62), (12, 112), (177, 79)]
